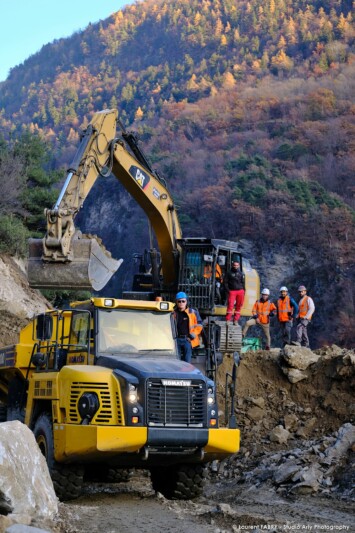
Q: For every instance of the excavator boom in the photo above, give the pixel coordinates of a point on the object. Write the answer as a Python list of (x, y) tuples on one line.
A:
[(65, 258)]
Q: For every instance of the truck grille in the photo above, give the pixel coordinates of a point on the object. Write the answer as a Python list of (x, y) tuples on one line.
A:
[(176, 406), (109, 412)]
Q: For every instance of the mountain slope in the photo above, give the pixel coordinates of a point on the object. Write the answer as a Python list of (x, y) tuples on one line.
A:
[(246, 109)]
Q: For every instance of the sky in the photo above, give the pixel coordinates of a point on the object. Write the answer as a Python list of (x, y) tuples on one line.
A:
[(27, 25)]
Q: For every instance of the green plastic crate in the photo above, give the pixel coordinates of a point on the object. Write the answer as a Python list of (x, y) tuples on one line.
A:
[(251, 344)]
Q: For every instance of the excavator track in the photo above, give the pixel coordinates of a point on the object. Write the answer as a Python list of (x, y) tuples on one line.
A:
[(231, 337)]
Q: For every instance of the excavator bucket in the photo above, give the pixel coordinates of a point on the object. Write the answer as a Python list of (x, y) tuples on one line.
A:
[(90, 269)]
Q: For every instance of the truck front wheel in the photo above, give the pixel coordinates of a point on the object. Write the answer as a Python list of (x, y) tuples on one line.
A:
[(67, 479), (179, 482), (107, 474)]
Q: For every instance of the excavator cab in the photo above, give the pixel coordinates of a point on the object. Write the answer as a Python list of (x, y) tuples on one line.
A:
[(203, 265)]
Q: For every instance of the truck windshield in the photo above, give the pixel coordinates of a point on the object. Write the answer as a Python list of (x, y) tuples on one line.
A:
[(123, 331)]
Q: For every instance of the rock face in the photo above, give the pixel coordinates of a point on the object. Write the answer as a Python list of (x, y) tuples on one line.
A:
[(18, 303), (26, 489), (15, 295)]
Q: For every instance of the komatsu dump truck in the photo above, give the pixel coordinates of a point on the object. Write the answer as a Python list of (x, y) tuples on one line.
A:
[(103, 389)]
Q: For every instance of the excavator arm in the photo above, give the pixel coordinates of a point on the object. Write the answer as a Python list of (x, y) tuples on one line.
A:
[(64, 257)]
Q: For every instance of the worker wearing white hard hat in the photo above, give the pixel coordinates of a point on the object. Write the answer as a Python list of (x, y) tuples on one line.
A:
[(287, 310), (262, 310)]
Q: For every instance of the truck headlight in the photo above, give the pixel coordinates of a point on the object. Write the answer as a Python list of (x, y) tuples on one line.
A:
[(132, 394), (210, 396)]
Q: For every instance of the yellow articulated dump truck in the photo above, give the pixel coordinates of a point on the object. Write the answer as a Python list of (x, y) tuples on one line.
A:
[(102, 387)]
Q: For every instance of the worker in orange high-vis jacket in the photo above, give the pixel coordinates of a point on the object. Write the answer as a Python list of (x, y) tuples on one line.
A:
[(306, 310), (287, 310), (188, 326), (207, 274), (262, 310)]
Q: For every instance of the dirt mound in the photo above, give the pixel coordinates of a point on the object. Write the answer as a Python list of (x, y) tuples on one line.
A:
[(319, 404), (299, 438)]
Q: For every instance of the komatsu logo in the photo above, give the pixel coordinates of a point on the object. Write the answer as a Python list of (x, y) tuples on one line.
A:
[(175, 383)]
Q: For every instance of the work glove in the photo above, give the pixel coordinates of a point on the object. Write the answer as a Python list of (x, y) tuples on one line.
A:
[(255, 316), (271, 314), (192, 336), (304, 321)]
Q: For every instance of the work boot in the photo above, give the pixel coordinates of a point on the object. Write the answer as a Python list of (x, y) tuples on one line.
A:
[(228, 322)]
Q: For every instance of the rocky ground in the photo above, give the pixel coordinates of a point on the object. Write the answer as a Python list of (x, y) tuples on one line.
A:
[(295, 469)]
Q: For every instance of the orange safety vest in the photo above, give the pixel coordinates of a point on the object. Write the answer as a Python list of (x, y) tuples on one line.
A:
[(207, 272), (263, 310), (283, 309), (303, 307), (194, 327)]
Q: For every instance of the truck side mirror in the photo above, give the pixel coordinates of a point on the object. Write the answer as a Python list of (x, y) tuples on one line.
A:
[(44, 327)]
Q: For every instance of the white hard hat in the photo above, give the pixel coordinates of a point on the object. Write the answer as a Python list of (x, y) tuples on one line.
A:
[(265, 291), (283, 289)]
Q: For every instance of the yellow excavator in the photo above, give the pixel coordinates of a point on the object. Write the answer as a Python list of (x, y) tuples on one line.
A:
[(67, 259)]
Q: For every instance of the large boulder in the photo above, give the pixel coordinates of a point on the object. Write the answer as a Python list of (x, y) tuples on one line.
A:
[(16, 298), (293, 374), (26, 489), (299, 357)]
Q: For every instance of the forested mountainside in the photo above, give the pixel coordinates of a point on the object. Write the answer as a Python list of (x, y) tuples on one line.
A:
[(245, 107)]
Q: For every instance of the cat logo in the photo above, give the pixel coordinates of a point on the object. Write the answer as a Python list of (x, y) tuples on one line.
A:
[(140, 176)]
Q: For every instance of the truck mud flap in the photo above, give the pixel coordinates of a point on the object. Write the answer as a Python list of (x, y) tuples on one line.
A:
[(91, 267)]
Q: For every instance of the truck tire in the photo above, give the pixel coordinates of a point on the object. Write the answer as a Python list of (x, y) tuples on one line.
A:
[(179, 482), (106, 474), (118, 475), (67, 479)]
